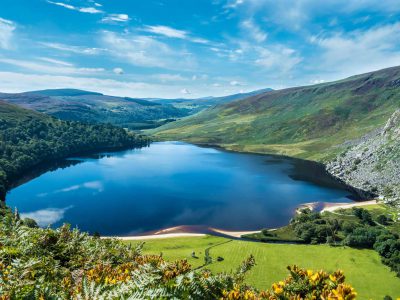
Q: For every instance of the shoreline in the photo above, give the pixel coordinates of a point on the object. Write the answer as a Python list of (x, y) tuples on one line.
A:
[(336, 206), (201, 231), (185, 231)]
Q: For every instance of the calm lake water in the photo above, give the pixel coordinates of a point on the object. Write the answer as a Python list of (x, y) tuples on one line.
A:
[(173, 183)]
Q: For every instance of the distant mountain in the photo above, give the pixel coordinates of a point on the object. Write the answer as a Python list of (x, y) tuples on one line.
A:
[(201, 103), (309, 122), (92, 107), (63, 92)]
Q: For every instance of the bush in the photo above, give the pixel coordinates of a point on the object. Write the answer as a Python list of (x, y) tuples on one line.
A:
[(363, 237), (382, 219)]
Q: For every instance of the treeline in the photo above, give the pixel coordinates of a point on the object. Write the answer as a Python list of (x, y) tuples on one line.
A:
[(28, 139), (314, 227)]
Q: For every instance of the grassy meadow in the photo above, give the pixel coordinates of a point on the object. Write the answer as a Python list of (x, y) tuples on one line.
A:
[(363, 268)]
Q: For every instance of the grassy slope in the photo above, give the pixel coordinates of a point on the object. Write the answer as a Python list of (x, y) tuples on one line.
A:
[(305, 122), (12, 114), (272, 260)]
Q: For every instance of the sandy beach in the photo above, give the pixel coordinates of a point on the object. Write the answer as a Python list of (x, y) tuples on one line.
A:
[(184, 231), (337, 206), (197, 231)]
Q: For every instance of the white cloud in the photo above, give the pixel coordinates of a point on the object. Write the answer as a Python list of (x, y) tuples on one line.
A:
[(52, 68), (119, 18), (174, 33), (45, 217), (89, 10), (254, 30), (74, 49), (56, 61), (234, 3), (235, 83), (146, 51), (277, 58), (317, 81), (167, 31), (170, 77), (118, 71), (360, 51), (185, 91), (7, 28)]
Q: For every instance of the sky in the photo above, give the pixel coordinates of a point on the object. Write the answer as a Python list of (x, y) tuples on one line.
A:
[(192, 48)]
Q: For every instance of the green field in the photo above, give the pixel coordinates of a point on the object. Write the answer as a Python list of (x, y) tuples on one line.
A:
[(363, 268)]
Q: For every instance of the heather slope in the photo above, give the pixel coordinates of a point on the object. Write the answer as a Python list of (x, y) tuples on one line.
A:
[(307, 122)]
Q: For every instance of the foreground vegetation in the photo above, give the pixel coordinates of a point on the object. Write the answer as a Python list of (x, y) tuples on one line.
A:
[(28, 138), (307, 122), (362, 267), (63, 264)]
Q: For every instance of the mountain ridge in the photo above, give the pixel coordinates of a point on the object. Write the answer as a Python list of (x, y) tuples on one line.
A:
[(93, 107), (307, 121)]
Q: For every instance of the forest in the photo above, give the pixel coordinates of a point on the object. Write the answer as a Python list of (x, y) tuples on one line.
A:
[(28, 138)]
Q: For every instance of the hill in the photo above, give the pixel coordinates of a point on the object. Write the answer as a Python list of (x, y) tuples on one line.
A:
[(63, 92), (91, 107), (132, 113), (310, 122), (29, 138), (198, 104)]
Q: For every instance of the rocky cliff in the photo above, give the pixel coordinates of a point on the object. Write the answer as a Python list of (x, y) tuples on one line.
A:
[(372, 163)]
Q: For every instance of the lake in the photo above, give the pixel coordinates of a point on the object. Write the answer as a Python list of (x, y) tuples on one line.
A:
[(170, 184)]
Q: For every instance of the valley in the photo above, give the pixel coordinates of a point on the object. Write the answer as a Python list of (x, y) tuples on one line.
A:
[(214, 149)]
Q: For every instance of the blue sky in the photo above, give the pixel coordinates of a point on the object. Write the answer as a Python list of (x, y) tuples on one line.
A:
[(192, 48)]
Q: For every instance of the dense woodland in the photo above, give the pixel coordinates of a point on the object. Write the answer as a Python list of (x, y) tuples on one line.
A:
[(28, 138)]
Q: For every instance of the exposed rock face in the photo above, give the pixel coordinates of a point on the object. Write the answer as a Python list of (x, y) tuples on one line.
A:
[(373, 162)]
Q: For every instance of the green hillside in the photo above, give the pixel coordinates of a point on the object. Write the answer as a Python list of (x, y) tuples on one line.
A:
[(28, 138), (91, 107), (306, 122)]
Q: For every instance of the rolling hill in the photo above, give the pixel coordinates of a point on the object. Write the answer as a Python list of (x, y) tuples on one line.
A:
[(311, 122), (132, 113), (91, 107)]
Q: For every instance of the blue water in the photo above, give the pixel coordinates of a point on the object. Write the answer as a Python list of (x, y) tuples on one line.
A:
[(173, 183)]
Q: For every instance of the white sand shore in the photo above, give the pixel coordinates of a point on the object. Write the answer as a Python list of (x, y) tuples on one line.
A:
[(348, 205), (157, 236), (183, 231)]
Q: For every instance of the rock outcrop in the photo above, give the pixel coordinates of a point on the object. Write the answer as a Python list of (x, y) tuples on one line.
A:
[(373, 162)]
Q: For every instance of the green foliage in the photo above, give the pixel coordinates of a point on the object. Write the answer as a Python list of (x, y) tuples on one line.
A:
[(40, 263), (28, 139)]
